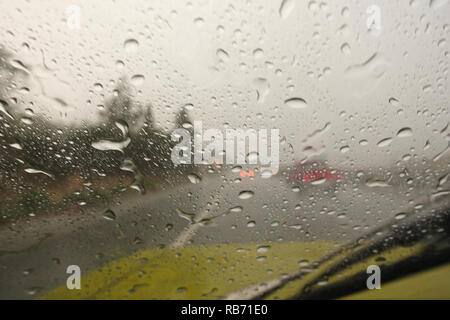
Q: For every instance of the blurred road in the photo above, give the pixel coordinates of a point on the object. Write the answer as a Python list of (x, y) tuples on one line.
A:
[(219, 209)]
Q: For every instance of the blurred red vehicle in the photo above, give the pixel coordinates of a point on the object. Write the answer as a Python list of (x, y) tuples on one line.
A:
[(315, 172)]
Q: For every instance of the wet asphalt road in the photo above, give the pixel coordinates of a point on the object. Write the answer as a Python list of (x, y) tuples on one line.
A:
[(34, 256)]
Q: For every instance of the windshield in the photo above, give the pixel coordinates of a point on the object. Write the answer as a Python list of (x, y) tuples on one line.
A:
[(221, 149)]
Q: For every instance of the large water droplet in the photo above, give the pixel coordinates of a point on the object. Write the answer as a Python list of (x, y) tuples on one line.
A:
[(400, 216), (131, 45), (236, 209), (222, 55), (435, 4), (193, 178), (246, 194), (345, 48), (303, 263), (345, 149), (16, 146), (286, 8), (319, 181), (394, 102), (404, 132), (109, 215), (263, 249), (266, 173), (251, 224), (262, 89), (31, 170), (296, 103), (377, 183), (137, 80), (4, 108), (384, 142), (106, 145)]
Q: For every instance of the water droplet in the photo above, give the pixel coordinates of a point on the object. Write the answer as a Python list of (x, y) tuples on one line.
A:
[(303, 263), (400, 216), (136, 287), (27, 120), (442, 43), (236, 209), (193, 178), (181, 290), (266, 173), (106, 145), (364, 77), (258, 53), (436, 195), (131, 45), (31, 170), (345, 149), (384, 142), (246, 195), (236, 169), (341, 215), (404, 132), (345, 48), (394, 102), (137, 80), (189, 106), (443, 180), (98, 87), (319, 181), (286, 8), (199, 22), (33, 290), (120, 65), (4, 109), (363, 142), (262, 249), (262, 89), (16, 146), (377, 183), (222, 55), (109, 215), (251, 224), (435, 4), (296, 103), (427, 88)]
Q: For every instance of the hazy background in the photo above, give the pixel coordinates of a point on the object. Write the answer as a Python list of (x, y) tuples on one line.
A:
[(220, 56)]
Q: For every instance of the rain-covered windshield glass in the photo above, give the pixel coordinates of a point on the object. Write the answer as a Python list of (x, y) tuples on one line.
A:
[(221, 149)]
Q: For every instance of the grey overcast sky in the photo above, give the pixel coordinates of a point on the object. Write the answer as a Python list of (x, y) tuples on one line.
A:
[(335, 77)]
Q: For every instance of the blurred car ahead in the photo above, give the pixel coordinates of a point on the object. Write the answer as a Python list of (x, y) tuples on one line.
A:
[(314, 172)]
